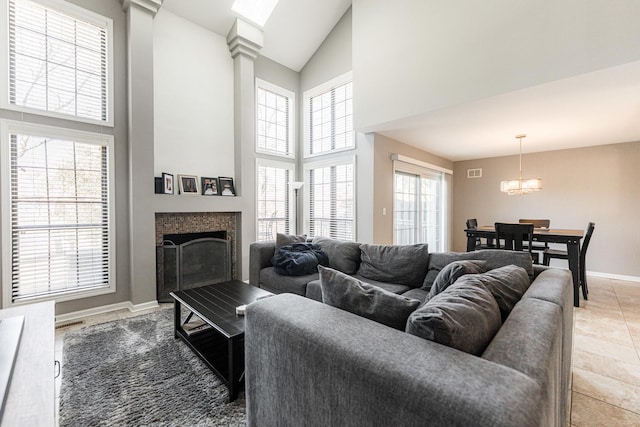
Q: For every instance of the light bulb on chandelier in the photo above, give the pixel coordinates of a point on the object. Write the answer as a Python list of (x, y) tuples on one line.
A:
[(520, 186)]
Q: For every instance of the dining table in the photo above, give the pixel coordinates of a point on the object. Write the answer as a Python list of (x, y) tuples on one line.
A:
[(571, 238)]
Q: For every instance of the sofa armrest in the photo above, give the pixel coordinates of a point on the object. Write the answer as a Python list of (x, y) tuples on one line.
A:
[(260, 254), (311, 364)]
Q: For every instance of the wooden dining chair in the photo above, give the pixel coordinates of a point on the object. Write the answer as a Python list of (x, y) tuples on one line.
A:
[(537, 223), (516, 237), (562, 254)]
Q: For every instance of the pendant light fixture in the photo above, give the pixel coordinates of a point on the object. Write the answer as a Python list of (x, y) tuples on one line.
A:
[(520, 186)]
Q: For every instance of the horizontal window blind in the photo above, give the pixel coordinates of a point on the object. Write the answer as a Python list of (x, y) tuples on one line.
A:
[(59, 216), (273, 207), (331, 120), (332, 201), (57, 62), (273, 122)]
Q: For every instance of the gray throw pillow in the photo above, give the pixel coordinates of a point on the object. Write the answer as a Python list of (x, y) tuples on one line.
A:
[(494, 258), (507, 285), (465, 317), (342, 291), (400, 264), (343, 255), (452, 272), (287, 239)]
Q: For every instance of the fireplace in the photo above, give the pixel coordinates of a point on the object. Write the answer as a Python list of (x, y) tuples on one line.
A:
[(190, 254)]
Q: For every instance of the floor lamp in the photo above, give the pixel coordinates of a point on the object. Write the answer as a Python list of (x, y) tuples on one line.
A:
[(296, 185)]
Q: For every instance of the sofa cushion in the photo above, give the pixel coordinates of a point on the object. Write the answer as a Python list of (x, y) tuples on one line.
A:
[(343, 255), (402, 264), (273, 282), (391, 287), (287, 239), (464, 316), (507, 285), (416, 293), (350, 294), (314, 290), (494, 258), (452, 272)]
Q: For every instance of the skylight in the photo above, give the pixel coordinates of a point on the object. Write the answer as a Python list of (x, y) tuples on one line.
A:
[(257, 11)]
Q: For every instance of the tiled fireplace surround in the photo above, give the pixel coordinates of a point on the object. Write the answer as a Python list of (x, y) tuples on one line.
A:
[(197, 222)]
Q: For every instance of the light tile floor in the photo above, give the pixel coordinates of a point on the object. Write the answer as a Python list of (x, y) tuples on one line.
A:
[(605, 386)]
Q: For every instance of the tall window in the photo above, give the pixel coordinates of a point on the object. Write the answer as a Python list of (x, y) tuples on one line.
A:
[(274, 206), (329, 117), (274, 124), (60, 210), (419, 208), (331, 198), (59, 60)]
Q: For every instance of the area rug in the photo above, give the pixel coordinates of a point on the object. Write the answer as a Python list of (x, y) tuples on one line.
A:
[(133, 372)]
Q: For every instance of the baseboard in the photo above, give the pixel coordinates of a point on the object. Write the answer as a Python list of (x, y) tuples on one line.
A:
[(614, 276), (75, 315)]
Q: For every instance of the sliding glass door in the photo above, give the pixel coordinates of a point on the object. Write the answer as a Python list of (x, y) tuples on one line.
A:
[(418, 209)]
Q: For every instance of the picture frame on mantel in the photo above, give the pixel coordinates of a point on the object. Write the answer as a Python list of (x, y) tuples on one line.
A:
[(167, 183), (226, 186), (209, 186), (189, 185)]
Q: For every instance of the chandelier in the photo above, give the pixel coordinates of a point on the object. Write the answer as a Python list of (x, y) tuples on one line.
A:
[(520, 186)]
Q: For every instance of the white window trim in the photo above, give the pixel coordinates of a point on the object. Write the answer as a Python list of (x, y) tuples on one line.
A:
[(423, 169), (292, 202), (8, 127), (333, 161), (71, 10), (292, 115), (318, 90)]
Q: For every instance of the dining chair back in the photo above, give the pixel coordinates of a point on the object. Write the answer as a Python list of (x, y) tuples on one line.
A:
[(514, 236), (562, 254), (472, 224)]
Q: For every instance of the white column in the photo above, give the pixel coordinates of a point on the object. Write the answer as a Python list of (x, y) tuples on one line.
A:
[(245, 41), (140, 14)]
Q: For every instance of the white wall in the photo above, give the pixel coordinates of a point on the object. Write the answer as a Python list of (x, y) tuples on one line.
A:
[(429, 54), (193, 99)]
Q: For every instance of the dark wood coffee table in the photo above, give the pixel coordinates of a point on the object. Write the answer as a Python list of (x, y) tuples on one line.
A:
[(221, 346)]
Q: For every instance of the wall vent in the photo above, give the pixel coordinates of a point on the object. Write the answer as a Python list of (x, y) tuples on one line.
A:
[(474, 173)]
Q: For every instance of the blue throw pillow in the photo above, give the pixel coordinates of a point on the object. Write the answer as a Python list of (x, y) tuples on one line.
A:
[(298, 259)]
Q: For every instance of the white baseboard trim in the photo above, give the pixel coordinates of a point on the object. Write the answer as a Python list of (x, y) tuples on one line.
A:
[(75, 315), (614, 276)]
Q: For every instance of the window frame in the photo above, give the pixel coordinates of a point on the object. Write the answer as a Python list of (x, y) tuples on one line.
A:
[(8, 127), (317, 91), (76, 12), (291, 96), (291, 167), (328, 162)]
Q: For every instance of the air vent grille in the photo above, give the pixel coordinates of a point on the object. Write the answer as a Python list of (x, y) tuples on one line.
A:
[(474, 173)]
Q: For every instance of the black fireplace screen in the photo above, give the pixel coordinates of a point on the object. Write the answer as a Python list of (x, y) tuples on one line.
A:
[(192, 264)]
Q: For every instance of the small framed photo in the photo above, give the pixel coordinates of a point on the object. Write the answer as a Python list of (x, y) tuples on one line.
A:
[(167, 183), (188, 184), (226, 186), (209, 186)]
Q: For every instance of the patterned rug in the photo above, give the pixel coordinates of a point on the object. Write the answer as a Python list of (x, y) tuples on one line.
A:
[(133, 372)]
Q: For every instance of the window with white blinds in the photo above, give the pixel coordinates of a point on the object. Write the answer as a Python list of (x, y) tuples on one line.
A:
[(418, 208), (331, 198), (329, 117), (59, 60), (60, 211), (274, 205), (274, 124)]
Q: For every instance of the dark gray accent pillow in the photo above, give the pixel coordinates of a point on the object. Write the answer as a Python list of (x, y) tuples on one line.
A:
[(452, 272), (401, 264), (495, 258), (464, 316), (342, 291), (507, 285), (287, 239), (343, 255)]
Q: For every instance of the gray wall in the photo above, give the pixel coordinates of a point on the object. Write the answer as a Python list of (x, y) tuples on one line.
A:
[(111, 9), (428, 54), (599, 184)]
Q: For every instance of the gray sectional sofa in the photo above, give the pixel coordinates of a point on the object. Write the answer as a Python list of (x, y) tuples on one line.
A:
[(309, 363)]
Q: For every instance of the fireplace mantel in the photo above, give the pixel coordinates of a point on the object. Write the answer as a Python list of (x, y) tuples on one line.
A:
[(186, 203)]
